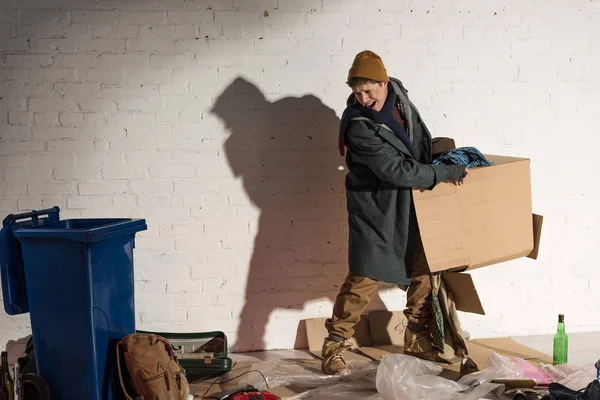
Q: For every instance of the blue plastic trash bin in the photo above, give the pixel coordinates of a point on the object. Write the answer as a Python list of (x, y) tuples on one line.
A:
[(78, 275)]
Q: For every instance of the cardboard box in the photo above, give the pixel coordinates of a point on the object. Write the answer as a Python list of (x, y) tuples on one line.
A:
[(382, 332), (486, 220)]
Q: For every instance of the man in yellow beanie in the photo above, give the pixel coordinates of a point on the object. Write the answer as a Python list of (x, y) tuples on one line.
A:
[(388, 154)]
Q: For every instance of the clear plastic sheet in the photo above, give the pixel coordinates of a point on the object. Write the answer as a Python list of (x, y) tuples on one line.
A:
[(397, 377), (305, 379), (307, 374), (402, 377)]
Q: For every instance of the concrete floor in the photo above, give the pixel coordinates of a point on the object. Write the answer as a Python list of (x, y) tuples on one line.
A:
[(584, 348)]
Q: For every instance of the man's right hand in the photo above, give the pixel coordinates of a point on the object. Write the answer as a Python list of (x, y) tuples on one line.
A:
[(455, 173)]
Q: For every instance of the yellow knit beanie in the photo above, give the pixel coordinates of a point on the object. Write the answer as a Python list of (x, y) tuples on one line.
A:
[(368, 65)]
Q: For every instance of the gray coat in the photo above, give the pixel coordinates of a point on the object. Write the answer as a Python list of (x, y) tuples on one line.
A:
[(381, 175)]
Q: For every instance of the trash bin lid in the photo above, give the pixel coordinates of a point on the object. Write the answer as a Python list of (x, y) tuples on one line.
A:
[(83, 230), (12, 272), (41, 225)]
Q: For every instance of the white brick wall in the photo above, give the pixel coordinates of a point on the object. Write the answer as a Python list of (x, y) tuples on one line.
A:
[(217, 122)]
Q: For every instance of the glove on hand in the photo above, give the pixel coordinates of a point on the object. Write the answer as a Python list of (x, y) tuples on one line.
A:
[(455, 173)]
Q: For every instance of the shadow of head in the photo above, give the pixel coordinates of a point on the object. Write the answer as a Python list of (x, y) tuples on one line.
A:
[(285, 151), (279, 147)]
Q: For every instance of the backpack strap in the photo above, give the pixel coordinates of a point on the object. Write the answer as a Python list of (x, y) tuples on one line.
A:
[(342, 136), (367, 120), (119, 346)]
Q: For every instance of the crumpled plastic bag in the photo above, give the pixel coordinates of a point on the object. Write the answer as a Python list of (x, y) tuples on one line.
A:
[(571, 376), (501, 367), (402, 377)]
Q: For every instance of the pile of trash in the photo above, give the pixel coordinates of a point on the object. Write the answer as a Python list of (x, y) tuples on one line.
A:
[(407, 378), (402, 377)]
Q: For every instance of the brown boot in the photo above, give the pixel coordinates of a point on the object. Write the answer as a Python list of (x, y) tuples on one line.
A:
[(418, 344), (333, 361)]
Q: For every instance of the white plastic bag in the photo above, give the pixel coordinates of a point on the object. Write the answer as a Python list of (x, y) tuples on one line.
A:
[(402, 377)]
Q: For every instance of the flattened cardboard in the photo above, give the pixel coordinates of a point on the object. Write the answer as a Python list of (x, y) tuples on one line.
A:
[(388, 324), (484, 221), (511, 348), (387, 327)]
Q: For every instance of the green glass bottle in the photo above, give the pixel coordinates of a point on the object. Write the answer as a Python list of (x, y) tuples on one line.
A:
[(561, 342), (3, 389), (6, 377)]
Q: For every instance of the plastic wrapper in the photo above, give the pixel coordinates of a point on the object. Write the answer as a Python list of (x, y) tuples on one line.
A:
[(501, 367), (573, 377), (402, 377)]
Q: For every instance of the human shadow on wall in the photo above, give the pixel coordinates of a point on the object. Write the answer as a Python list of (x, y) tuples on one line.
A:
[(286, 154)]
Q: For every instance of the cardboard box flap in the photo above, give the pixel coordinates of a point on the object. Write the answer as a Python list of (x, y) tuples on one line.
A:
[(484, 221), (438, 213), (463, 290), (387, 327), (496, 213), (537, 234), (501, 160)]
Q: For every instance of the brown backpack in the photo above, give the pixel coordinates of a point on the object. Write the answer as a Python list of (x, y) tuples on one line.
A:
[(153, 368)]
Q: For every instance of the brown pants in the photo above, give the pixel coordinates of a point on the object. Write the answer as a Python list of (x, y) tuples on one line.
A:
[(357, 292)]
